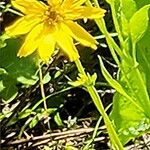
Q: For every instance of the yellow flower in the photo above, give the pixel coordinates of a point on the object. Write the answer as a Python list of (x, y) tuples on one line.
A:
[(52, 24)]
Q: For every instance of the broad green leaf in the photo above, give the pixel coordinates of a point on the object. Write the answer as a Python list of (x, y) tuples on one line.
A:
[(143, 56), (8, 89), (139, 23), (132, 118), (134, 83), (141, 3), (19, 70), (128, 7), (128, 120), (14, 65), (131, 103), (116, 85)]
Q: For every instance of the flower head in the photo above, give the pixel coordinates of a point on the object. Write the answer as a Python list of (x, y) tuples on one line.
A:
[(52, 24)]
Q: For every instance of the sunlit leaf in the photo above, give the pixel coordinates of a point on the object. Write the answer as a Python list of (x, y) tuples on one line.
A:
[(139, 23)]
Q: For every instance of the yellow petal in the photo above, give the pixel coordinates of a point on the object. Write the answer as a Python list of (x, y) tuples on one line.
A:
[(79, 34), (65, 42), (22, 25), (29, 6), (46, 46), (31, 42), (72, 3), (85, 12)]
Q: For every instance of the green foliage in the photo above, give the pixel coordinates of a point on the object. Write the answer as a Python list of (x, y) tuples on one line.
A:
[(143, 55), (130, 117), (126, 10), (39, 115), (131, 102), (141, 19), (15, 70), (130, 114)]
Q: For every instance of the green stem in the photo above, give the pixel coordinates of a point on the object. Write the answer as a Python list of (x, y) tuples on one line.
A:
[(114, 48), (49, 96), (80, 67), (114, 16), (101, 25), (42, 90), (98, 103), (42, 87)]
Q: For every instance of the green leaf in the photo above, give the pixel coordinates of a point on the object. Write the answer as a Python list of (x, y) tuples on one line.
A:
[(46, 78), (26, 81), (139, 23), (110, 80), (8, 89), (131, 103), (12, 121), (128, 120), (34, 122), (2, 71), (25, 113), (57, 74), (3, 39), (2, 116), (143, 56), (141, 3), (15, 66), (50, 110), (58, 119), (128, 8), (15, 69), (40, 114)]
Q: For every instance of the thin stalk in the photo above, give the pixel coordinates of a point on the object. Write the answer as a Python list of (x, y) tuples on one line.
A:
[(114, 16), (98, 103), (42, 91), (42, 87), (101, 25), (51, 95), (111, 43)]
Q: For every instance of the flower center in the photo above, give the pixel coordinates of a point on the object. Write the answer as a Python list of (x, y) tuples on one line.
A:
[(51, 16)]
